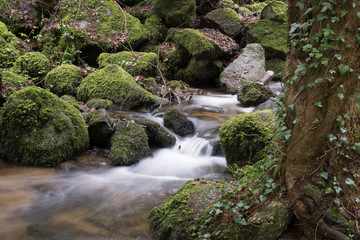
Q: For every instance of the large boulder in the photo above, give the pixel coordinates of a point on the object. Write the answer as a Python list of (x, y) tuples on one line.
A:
[(129, 144), (224, 19), (270, 34), (178, 122), (184, 214), (33, 64), (115, 84), (246, 135), (135, 63), (63, 80), (253, 94), (40, 129), (158, 137), (177, 12), (275, 11), (100, 127), (247, 68), (9, 47)]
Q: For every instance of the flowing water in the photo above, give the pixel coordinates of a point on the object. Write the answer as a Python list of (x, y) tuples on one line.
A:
[(111, 203)]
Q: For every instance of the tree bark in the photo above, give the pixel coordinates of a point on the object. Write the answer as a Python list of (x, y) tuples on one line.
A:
[(323, 117)]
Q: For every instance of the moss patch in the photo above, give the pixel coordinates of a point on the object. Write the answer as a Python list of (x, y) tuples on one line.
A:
[(155, 27), (276, 11), (135, 63), (63, 80), (244, 136), (9, 47), (99, 103), (40, 129), (177, 12), (33, 64), (277, 66), (115, 84), (253, 94)]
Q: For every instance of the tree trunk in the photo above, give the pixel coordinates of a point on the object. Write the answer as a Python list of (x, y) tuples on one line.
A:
[(322, 82)]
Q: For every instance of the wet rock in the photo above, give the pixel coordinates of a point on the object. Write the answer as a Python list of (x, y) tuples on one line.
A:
[(253, 94), (158, 137), (177, 12), (63, 80), (245, 135), (226, 20), (247, 68), (9, 47), (275, 11), (100, 127), (270, 34), (129, 144), (269, 104), (40, 129), (115, 84), (178, 122)]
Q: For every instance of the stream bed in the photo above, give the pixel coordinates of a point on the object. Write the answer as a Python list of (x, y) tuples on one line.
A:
[(111, 203)]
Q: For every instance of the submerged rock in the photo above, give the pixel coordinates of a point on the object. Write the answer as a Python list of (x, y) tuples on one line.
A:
[(178, 122), (158, 137), (177, 13), (40, 129), (129, 144), (63, 80), (100, 127), (247, 68), (253, 94), (224, 19), (115, 84), (9, 47), (245, 135)]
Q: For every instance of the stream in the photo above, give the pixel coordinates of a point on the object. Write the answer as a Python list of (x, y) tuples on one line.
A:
[(111, 202)]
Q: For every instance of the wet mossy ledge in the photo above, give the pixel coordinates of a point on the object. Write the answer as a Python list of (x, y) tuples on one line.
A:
[(115, 84), (40, 129)]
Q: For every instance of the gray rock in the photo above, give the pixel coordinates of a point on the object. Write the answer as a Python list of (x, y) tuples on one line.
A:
[(253, 94), (275, 11), (225, 20), (247, 68), (100, 127), (178, 122)]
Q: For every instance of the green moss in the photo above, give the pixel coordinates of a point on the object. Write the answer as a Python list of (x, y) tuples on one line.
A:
[(257, 7), (9, 47), (99, 103), (275, 10), (175, 84), (13, 80), (71, 100), (244, 10), (115, 84), (312, 190), (129, 144), (135, 63), (194, 42), (271, 35), (63, 80), (226, 20), (155, 27), (40, 129), (277, 66), (244, 136), (33, 64), (177, 12), (253, 94)]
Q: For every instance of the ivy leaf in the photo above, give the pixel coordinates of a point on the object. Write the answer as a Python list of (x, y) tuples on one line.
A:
[(319, 80), (357, 200), (343, 13), (351, 182), (338, 56), (337, 201), (318, 104), (358, 14), (300, 5), (343, 69), (324, 175), (316, 121), (321, 182), (296, 121), (337, 189), (328, 190), (332, 137), (340, 96)]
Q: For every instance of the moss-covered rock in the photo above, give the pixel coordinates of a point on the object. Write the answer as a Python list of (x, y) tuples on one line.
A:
[(63, 80), (253, 94), (9, 47), (129, 144), (13, 80), (184, 214), (115, 84), (100, 127), (90, 23), (224, 19), (71, 100), (276, 11), (99, 103), (271, 35), (178, 122), (155, 27), (244, 136), (40, 129), (177, 12), (158, 137), (135, 63), (33, 64), (277, 66)]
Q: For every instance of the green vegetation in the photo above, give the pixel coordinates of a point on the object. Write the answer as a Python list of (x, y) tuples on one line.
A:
[(115, 84), (33, 64), (177, 12), (63, 79), (99, 103), (40, 129), (9, 47), (276, 11), (253, 94)]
